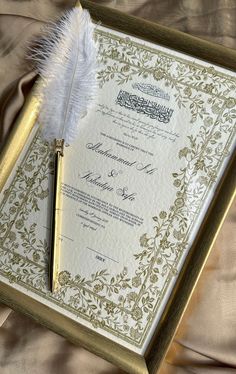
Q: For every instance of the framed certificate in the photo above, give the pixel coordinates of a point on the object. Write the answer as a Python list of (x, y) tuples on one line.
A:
[(145, 190)]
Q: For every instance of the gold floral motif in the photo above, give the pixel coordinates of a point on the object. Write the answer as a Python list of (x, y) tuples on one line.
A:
[(64, 278)]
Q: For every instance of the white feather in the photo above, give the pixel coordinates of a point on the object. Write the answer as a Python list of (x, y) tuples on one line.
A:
[(67, 64)]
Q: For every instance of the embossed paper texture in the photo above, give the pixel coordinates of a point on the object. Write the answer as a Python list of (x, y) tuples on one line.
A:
[(136, 186)]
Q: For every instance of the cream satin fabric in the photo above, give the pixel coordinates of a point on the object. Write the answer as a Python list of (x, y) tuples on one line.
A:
[(206, 339)]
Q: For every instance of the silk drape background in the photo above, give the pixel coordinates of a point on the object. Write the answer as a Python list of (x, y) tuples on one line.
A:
[(206, 339)]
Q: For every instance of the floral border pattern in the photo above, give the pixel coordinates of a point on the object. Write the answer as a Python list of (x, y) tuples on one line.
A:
[(208, 95)]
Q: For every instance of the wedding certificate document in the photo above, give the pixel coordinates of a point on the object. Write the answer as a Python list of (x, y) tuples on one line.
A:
[(136, 186)]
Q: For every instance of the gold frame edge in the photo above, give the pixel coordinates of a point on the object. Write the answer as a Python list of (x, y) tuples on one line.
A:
[(75, 332)]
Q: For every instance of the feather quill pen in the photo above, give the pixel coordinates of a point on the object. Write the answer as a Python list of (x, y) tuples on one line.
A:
[(66, 61)]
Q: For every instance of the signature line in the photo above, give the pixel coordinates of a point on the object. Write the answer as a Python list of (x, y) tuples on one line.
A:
[(103, 255)]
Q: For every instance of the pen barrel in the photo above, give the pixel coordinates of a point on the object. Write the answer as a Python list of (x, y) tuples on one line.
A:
[(56, 216)]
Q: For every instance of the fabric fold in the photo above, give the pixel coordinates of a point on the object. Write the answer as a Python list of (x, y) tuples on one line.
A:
[(206, 339)]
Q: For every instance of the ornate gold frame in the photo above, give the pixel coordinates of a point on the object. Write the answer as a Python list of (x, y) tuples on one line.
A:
[(76, 333)]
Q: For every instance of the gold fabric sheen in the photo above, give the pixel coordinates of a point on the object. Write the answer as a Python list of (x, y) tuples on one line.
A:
[(206, 339)]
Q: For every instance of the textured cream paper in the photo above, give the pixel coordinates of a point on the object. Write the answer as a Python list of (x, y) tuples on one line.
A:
[(136, 186)]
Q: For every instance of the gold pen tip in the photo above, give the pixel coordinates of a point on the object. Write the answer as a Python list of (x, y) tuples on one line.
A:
[(53, 286)]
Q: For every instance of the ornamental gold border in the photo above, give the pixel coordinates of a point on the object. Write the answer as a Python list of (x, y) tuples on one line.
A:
[(192, 73), (180, 296)]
